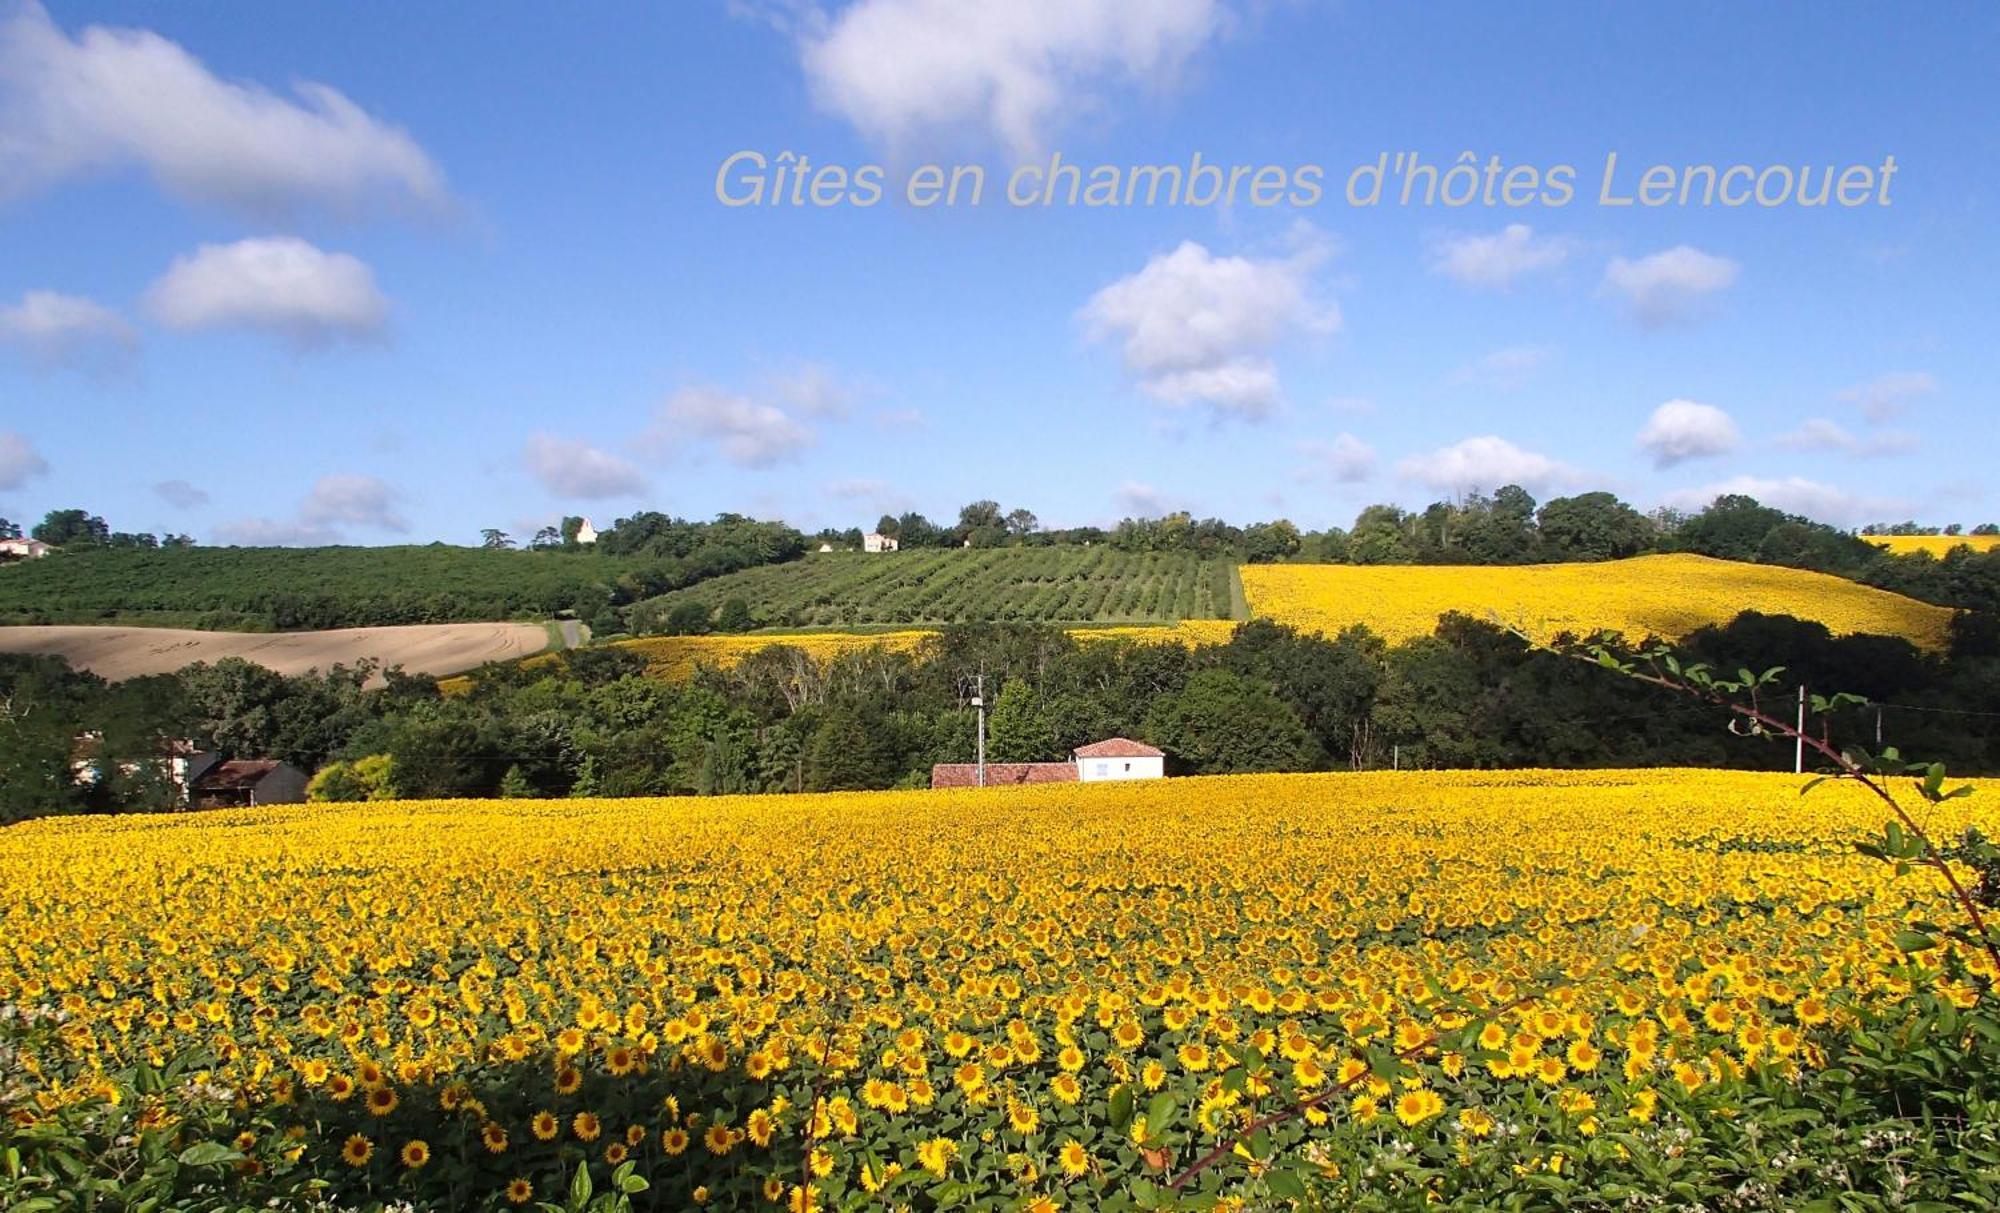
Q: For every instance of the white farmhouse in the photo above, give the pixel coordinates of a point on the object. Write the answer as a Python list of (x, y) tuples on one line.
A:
[(1119, 758), (23, 549), (873, 542), (586, 533)]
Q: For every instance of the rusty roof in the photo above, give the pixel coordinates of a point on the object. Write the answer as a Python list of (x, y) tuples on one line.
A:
[(1000, 774)]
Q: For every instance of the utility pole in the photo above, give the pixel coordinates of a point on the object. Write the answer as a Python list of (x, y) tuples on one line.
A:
[(979, 702), (1799, 746), (1878, 728)]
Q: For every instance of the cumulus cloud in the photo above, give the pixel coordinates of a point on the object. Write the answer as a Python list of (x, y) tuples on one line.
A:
[(1668, 287), (279, 285), (1823, 434), (1485, 462), (745, 432), (180, 494), (1195, 328), (1143, 500), (1504, 370), (1343, 459), (111, 99), (813, 390), (1495, 261), (56, 330), (904, 72), (19, 461), (1891, 395), (272, 533), (1680, 430), (353, 500), (1795, 495), (569, 468)]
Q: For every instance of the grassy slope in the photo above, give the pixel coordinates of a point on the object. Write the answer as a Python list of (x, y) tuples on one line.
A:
[(1664, 596), (1052, 585), (299, 588)]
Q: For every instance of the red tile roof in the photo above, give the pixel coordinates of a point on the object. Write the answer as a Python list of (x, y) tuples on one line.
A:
[(1118, 747), (1000, 774)]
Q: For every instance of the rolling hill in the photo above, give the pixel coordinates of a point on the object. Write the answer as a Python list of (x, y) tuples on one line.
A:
[(1664, 596), (119, 652), (1936, 545), (1061, 585), (296, 589)]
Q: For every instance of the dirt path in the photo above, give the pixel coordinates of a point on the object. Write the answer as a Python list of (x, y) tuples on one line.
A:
[(121, 652)]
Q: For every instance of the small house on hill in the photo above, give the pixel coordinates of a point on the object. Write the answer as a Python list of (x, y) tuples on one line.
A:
[(874, 542), (1101, 761), (242, 783), (23, 549)]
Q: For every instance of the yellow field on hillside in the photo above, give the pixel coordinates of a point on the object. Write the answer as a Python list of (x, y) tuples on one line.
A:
[(734, 994), (1664, 596), (1936, 545)]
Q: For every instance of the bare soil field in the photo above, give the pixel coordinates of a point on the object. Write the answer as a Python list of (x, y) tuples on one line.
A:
[(118, 652)]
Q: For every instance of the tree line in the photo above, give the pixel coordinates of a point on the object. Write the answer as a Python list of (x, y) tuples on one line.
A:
[(591, 723)]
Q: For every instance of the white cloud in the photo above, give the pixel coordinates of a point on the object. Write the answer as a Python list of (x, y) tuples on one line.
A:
[(1890, 395), (278, 284), (271, 533), (857, 490), (180, 494), (1669, 286), (109, 99), (1504, 370), (1143, 500), (1344, 459), (354, 500), (746, 432), (813, 390), (569, 468), (1485, 463), (1794, 495), (56, 330), (1195, 328), (19, 461), (1823, 434), (1494, 262), (1680, 430), (904, 72)]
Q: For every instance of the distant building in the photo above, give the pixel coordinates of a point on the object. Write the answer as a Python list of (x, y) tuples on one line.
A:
[(826, 547), (1119, 758), (23, 549), (872, 542), (242, 783), (1102, 761), (586, 533), (1000, 774)]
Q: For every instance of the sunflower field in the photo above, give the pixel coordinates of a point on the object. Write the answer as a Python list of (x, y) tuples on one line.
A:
[(1659, 596), (1575, 987), (1936, 545)]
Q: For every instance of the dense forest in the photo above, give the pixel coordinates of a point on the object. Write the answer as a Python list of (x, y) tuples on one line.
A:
[(591, 723)]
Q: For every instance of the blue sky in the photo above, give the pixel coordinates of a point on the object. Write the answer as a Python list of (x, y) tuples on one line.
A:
[(386, 275)]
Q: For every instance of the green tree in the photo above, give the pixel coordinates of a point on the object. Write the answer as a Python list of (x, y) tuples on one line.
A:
[(847, 754), (1223, 723), (1019, 728), (66, 528), (734, 616), (1594, 526), (336, 781), (514, 785)]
